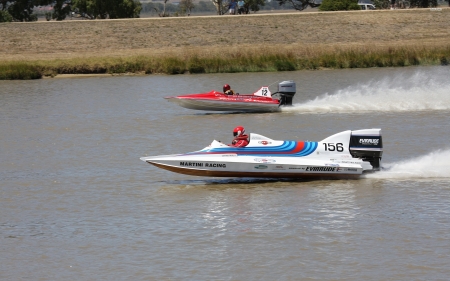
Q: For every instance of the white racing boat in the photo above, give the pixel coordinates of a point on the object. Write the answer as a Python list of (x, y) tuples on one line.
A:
[(348, 154)]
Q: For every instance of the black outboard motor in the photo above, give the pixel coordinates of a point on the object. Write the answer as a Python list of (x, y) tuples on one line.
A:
[(286, 89), (367, 145)]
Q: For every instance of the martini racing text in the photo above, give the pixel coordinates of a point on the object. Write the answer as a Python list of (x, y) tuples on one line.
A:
[(199, 164)]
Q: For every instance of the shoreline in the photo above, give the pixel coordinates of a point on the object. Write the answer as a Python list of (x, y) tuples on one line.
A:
[(243, 60), (79, 75)]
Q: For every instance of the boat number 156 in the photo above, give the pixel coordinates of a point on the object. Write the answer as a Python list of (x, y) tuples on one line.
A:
[(334, 147)]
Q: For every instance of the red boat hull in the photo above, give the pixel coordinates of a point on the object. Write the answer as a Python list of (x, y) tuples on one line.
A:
[(217, 101)]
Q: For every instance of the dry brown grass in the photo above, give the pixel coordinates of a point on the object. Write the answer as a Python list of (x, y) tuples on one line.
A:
[(294, 32)]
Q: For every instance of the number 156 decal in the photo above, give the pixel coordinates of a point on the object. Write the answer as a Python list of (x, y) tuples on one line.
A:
[(339, 147)]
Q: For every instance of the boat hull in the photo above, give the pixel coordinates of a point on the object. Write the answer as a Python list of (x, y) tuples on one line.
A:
[(247, 174), (215, 101), (215, 105), (255, 167)]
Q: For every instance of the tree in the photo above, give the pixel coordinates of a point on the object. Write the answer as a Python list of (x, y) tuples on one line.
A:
[(253, 5), (423, 3), (205, 6), (3, 4), (339, 5), (124, 9), (5, 16), (61, 8), (22, 10), (221, 6), (186, 6), (164, 10), (300, 4), (102, 9)]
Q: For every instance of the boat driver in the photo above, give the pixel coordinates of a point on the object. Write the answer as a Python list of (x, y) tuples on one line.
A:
[(227, 90), (240, 138)]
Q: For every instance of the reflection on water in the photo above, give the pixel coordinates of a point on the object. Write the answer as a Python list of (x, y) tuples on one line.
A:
[(77, 203), (335, 210)]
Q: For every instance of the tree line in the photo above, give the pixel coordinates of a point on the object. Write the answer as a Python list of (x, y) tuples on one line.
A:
[(207, 6), (24, 10)]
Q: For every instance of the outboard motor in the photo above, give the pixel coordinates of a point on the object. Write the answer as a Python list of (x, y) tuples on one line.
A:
[(286, 89), (367, 145)]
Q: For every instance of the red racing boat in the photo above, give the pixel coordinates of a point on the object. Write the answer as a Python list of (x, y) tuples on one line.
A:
[(260, 101)]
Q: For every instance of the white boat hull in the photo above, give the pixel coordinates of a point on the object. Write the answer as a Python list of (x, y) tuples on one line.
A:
[(249, 166)]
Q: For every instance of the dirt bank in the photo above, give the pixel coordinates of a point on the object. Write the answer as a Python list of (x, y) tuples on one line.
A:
[(152, 36)]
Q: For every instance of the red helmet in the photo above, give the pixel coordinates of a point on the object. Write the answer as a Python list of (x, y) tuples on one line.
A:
[(226, 87), (238, 131)]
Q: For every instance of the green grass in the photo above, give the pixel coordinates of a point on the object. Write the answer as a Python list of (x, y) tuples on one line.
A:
[(19, 71), (250, 60)]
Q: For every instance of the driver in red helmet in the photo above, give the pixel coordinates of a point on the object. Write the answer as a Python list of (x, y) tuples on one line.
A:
[(240, 138), (227, 90)]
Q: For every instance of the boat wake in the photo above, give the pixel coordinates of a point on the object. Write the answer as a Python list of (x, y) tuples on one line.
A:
[(433, 165), (418, 92)]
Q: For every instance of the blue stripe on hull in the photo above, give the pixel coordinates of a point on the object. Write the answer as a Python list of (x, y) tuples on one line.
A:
[(284, 150)]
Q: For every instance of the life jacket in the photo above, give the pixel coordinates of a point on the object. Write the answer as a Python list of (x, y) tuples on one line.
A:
[(229, 92), (240, 141)]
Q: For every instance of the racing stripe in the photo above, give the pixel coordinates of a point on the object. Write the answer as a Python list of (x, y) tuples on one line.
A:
[(288, 148)]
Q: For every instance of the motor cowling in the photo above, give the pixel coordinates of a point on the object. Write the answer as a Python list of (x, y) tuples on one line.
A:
[(287, 90), (367, 145)]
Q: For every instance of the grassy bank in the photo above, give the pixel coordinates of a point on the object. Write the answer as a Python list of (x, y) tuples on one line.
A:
[(269, 42), (236, 60), (19, 71)]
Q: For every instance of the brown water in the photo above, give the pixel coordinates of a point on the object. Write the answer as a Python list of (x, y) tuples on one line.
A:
[(76, 203)]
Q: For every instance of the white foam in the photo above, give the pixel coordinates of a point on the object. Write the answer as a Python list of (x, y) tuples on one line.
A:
[(418, 92), (433, 165)]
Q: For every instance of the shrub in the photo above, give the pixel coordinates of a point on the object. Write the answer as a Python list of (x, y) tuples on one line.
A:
[(5, 16), (339, 5)]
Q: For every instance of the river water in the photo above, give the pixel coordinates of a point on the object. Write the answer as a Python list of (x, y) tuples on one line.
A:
[(76, 203)]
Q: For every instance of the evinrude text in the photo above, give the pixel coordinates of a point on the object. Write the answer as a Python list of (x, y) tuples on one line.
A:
[(320, 169), (369, 141)]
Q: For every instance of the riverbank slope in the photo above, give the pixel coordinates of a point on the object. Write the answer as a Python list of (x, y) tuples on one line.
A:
[(260, 42)]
